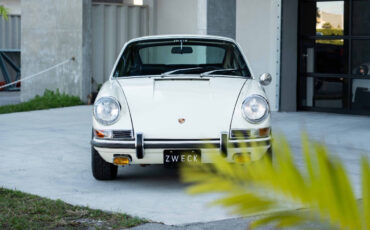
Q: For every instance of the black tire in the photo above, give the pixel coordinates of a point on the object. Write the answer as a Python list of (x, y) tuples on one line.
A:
[(269, 154), (101, 169)]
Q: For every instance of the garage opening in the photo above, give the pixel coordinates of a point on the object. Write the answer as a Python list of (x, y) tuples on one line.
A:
[(10, 31)]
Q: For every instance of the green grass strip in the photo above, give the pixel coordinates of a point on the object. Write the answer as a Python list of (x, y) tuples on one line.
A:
[(49, 100), (19, 210)]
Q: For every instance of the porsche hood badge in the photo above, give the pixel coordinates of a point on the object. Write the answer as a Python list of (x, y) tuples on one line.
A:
[(181, 120)]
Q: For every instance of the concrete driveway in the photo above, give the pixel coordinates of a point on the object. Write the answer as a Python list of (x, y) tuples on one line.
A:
[(48, 153)]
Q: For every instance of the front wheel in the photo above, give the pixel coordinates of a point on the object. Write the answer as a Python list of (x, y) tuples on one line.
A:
[(101, 169), (269, 154)]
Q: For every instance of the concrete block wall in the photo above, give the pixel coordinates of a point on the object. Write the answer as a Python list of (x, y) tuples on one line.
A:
[(51, 32)]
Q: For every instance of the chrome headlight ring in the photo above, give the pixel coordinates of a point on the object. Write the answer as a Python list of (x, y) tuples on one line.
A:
[(107, 110), (255, 108)]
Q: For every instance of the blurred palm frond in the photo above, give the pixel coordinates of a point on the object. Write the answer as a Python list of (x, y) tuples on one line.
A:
[(280, 189)]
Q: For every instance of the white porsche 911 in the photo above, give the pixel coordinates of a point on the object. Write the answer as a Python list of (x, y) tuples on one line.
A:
[(173, 99)]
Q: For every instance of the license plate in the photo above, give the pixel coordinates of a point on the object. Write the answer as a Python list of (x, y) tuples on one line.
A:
[(172, 158)]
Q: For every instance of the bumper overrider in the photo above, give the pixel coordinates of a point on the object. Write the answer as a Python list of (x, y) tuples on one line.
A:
[(140, 150)]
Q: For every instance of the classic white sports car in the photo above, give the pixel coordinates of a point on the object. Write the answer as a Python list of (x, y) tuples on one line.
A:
[(174, 99)]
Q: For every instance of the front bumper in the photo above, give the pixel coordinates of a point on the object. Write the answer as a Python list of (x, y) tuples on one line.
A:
[(150, 151)]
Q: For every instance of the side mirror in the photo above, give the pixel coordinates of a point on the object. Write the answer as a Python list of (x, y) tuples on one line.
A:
[(265, 79)]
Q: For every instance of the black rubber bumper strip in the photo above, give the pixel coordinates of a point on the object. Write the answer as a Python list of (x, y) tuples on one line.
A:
[(113, 145), (139, 145), (224, 144)]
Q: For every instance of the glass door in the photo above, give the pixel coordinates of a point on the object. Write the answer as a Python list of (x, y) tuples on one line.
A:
[(334, 56)]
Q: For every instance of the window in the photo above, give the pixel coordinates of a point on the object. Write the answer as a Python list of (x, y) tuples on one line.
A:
[(155, 57), (334, 56), (361, 17), (199, 55)]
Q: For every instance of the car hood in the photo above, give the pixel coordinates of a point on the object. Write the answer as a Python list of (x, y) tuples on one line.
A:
[(181, 107)]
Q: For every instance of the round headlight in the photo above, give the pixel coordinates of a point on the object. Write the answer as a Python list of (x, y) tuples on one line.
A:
[(255, 108), (106, 110)]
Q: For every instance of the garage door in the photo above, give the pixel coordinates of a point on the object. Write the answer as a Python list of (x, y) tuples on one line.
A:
[(112, 26)]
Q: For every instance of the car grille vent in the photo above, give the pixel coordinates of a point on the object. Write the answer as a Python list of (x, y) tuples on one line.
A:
[(241, 134), (122, 134)]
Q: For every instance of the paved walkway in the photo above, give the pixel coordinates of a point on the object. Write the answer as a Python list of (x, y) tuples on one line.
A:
[(48, 153)]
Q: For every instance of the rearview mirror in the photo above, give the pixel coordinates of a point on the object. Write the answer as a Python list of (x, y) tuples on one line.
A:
[(265, 79), (182, 50)]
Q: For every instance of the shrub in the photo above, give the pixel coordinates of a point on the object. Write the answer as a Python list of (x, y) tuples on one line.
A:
[(4, 12)]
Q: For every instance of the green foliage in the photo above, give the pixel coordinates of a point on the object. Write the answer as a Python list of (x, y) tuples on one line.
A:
[(24, 211), (49, 100), (4, 12), (327, 25), (331, 42), (330, 32), (278, 190), (99, 87)]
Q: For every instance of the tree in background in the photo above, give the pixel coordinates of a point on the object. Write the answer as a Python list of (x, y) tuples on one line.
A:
[(327, 25), (4, 12), (318, 16)]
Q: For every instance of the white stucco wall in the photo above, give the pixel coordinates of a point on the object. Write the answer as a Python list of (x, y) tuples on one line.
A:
[(258, 32), (177, 16), (173, 16)]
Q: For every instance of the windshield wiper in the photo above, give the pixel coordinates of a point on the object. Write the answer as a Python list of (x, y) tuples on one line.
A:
[(178, 70), (218, 70)]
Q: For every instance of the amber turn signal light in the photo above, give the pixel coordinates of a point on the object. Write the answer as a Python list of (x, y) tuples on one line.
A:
[(99, 134), (121, 160), (264, 132), (103, 133), (242, 158)]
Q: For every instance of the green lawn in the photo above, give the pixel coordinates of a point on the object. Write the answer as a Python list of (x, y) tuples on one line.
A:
[(24, 211), (49, 100)]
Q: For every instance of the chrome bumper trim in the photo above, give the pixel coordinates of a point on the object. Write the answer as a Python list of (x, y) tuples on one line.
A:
[(192, 144)]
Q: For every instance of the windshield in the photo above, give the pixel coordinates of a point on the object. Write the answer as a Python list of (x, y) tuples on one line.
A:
[(181, 56)]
